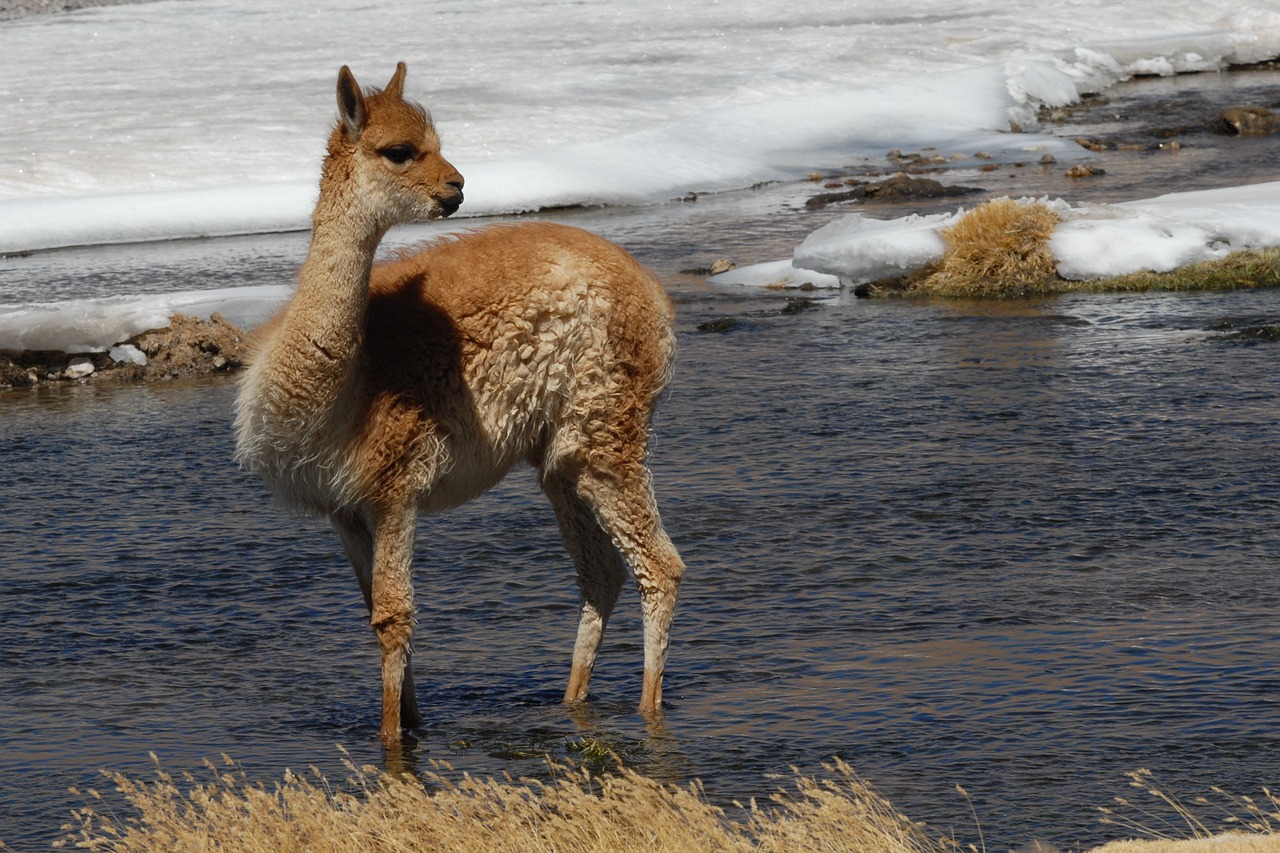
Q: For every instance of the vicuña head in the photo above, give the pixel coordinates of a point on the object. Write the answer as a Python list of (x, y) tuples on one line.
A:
[(380, 392), (392, 150)]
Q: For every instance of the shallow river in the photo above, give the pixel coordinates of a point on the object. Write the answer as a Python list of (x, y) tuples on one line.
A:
[(1021, 547)]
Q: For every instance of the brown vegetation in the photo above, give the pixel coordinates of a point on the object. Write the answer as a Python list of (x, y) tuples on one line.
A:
[(577, 811), (1001, 248), (1254, 823), (1247, 268), (997, 249)]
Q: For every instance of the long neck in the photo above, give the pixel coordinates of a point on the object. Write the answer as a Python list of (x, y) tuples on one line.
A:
[(326, 316)]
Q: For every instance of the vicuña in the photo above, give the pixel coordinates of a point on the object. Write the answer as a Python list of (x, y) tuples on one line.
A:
[(379, 392)]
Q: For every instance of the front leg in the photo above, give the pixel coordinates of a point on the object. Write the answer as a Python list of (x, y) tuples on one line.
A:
[(357, 541), (392, 617)]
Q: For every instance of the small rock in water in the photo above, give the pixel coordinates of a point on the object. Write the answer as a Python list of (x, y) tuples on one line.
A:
[(128, 354), (797, 304), (79, 368), (1083, 171), (723, 324), (717, 267), (1250, 121), (900, 187), (1091, 144)]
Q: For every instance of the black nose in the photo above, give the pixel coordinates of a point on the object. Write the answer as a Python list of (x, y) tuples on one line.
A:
[(450, 204)]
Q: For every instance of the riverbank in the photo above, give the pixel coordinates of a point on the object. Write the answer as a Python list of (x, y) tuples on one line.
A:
[(1145, 137), (991, 268), (188, 346)]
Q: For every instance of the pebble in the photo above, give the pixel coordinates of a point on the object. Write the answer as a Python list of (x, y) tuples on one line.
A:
[(128, 354), (79, 368), (1083, 171)]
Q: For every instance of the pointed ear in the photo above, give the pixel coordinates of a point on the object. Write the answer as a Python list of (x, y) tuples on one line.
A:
[(351, 108), (396, 87)]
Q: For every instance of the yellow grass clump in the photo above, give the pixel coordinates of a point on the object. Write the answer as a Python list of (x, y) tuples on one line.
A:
[(998, 248), (1001, 248), (1255, 822), (577, 811)]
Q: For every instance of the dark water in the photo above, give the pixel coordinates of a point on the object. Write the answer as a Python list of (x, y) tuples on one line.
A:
[(1021, 547)]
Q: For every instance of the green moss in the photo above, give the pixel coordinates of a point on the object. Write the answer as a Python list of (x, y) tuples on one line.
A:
[(1246, 269)]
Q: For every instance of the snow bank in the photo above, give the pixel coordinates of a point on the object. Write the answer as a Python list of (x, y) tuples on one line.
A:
[(721, 149), (95, 325), (50, 222), (1092, 241), (165, 122)]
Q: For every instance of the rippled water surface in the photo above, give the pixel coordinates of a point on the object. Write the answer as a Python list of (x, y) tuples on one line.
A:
[(1021, 547)]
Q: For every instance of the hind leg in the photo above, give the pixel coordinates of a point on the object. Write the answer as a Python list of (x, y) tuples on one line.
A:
[(600, 576), (620, 495)]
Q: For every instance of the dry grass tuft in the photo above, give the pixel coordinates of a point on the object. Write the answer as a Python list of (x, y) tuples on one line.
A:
[(580, 811), (577, 811), (999, 248), (1251, 825)]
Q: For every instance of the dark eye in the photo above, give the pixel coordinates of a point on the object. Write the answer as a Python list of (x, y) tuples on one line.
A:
[(398, 154)]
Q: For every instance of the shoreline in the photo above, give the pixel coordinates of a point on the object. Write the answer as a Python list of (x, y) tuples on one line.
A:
[(1140, 144), (188, 346)]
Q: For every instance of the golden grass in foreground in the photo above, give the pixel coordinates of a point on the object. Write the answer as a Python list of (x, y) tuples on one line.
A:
[(580, 811), (1259, 818), (1001, 248), (576, 812)]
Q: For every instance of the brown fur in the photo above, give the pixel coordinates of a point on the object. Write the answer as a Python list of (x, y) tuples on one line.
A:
[(413, 386)]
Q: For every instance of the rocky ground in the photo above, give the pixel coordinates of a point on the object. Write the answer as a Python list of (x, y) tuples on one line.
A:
[(1224, 126), (189, 346)]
